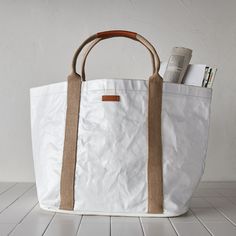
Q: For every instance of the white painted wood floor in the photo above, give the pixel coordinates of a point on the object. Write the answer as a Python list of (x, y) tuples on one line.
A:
[(212, 212)]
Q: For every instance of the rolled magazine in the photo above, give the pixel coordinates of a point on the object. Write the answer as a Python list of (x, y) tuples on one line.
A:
[(177, 64)]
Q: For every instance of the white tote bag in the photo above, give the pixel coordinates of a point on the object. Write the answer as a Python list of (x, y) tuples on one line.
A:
[(119, 146)]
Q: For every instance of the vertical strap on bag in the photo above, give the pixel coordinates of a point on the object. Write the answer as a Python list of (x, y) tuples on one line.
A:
[(154, 171), (70, 143), (155, 179)]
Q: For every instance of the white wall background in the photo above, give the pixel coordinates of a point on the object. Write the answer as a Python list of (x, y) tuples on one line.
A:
[(38, 39)]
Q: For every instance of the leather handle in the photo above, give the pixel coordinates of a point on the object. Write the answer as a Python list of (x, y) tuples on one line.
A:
[(119, 33), (116, 33)]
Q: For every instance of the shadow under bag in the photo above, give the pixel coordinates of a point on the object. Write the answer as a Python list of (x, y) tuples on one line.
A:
[(118, 146)]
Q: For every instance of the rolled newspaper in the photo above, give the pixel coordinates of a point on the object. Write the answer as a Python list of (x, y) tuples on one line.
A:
[(177, 64)]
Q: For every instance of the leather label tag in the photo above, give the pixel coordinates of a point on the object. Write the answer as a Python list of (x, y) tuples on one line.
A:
[(110, 98)]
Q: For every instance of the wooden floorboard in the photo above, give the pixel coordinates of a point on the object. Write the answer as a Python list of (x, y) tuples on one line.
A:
[(63, 224), (226, 207), (189, 225), (91, 225), (212, 212), (211, 219), (12, 194), (35, 223), (157, 226), (126, 226), (5, 186)]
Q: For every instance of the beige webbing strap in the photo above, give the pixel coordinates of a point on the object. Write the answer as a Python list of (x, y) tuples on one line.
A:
[(155, 182), (70, 143)]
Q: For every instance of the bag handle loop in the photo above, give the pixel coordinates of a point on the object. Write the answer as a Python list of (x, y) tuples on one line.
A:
[(110, 34), (90, 47)]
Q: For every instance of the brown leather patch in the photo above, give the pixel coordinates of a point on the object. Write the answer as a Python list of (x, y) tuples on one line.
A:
[(116, 33), (110, 98)]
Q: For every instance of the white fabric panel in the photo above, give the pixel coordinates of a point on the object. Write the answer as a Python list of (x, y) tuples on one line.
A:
[(111, 169)]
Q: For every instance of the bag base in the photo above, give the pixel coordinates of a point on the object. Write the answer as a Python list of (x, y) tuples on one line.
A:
[(163, 215)]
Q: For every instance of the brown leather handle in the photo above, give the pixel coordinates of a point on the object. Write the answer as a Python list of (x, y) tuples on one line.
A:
[(119, 33), (116, 33)]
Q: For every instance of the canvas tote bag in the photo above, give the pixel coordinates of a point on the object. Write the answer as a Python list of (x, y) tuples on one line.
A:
[(118, 146)]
